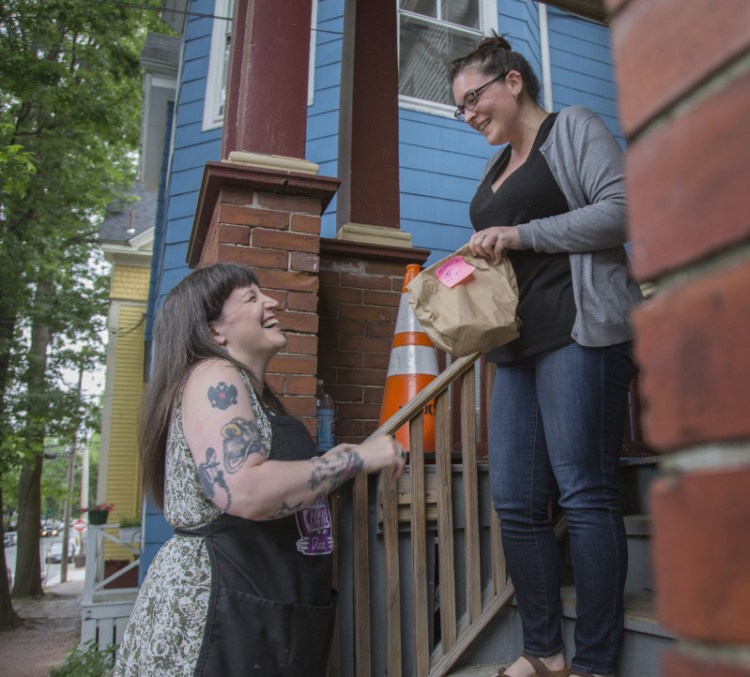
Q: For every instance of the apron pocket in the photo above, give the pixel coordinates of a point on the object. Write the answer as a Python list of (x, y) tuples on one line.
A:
[(254, 636)]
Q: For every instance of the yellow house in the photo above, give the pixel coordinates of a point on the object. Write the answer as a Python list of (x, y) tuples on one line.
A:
[(126, 237)]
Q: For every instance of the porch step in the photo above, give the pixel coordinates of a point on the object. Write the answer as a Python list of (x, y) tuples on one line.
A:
[(643, 641), (644, 638)]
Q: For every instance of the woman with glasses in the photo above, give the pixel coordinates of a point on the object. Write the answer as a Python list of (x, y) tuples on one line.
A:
[(244, 585), (552, 200)]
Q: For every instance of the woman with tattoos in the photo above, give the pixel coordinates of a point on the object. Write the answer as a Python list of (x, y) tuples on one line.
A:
[(244, 585)]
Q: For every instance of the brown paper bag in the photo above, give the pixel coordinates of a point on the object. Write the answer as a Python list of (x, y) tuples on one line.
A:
[(475, 315)]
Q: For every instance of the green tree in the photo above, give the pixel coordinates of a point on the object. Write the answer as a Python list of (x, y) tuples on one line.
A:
[(69, 117)]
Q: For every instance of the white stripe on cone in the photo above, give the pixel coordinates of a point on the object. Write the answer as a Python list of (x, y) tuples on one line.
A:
[(413, 360), (406, 320)]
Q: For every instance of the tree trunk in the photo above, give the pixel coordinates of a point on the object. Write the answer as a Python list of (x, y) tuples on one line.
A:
[(8, 617), (28, 580)]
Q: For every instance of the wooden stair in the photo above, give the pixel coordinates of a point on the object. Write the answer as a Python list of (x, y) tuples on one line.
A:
[(643, 640)]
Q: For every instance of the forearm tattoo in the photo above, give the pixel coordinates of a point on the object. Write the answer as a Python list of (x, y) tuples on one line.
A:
[(284, 510), (329, 473), (241, 439), (222, 396)]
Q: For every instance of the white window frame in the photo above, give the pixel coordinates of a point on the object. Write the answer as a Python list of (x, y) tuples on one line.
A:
[(213, 116), (487, 23)]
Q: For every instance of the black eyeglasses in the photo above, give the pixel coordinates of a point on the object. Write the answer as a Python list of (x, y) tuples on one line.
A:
[(471, 98)]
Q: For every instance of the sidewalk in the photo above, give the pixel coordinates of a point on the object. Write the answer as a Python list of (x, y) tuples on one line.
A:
[(51, 628)]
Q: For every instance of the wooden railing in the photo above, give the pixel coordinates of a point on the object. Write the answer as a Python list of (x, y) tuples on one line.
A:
[(436, 528), (105, 611)]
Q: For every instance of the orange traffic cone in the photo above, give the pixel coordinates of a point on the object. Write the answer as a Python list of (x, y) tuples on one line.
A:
[(412, 366)]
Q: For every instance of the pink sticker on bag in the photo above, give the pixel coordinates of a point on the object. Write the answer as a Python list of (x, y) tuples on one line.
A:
[(454, 271)]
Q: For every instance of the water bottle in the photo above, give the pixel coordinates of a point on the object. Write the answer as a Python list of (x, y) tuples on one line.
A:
[(325, 414)]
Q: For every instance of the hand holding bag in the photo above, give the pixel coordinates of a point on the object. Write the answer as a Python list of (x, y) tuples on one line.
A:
[(476, 313)]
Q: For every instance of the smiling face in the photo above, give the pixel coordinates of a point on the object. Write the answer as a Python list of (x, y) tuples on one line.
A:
[(248, 327), (496, 113)]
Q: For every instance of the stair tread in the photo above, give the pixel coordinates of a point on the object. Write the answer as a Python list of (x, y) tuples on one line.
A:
[(640, 611), (640, 617)]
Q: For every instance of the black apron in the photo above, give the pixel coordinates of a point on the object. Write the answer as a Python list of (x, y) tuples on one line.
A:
[(272, 609)]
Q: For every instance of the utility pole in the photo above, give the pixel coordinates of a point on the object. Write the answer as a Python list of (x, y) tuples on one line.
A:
[(69, 497)]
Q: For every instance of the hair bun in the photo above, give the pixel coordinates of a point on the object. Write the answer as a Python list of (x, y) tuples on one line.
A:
[(494, 41)]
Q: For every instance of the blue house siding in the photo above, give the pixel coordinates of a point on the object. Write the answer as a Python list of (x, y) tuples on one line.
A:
[(440, 159), (191, 149), (323, 115), (582, 70)]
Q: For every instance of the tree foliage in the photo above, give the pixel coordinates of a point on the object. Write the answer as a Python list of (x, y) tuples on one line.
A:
[(70, 106)]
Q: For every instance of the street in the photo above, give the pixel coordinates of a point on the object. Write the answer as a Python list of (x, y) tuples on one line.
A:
[(50, 571)]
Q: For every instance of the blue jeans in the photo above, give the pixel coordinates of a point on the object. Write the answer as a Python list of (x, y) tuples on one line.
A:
[(557, 419)]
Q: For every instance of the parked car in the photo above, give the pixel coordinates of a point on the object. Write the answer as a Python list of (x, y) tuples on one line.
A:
[(10, 538), (54, 554), (49, 528)]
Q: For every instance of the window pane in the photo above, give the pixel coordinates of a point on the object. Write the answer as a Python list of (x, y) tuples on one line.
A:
[(426, 51), (228, 14), (424, 7), (462, 12), (225, 72)]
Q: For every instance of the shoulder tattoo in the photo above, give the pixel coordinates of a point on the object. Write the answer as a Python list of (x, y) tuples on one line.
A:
[(222, 396)]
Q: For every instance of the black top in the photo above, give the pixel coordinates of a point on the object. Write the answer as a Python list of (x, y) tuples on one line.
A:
[(546, 307)]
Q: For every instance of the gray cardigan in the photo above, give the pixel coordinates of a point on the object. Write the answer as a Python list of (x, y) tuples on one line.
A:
[(586, 162)]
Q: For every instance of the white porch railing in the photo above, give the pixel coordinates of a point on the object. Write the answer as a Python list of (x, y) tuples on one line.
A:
[(105, 611)]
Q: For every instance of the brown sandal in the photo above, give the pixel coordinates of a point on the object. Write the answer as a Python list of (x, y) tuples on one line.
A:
[(540, 669)]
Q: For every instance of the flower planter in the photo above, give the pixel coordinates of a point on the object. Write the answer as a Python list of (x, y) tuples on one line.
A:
[(98, 516), (130, 534)]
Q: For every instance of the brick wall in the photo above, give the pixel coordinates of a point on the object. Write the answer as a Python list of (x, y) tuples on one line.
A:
[(338, 300), (270, 220), (360, 292), (683, 70)]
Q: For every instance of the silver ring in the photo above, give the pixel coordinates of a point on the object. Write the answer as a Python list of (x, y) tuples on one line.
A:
[(481, 236)]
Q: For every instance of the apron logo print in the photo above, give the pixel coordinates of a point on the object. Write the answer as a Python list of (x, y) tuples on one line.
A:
[(314, 524)]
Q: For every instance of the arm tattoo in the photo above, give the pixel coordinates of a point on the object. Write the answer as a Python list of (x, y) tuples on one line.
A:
[(285, 510), (241, 438), (212, 478), (222, 396), (329, 474)]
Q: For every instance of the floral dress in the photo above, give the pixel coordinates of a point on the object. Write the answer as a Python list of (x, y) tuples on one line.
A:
[(165, 631)]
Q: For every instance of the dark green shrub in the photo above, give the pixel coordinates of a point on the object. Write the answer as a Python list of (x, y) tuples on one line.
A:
[(87, 661)]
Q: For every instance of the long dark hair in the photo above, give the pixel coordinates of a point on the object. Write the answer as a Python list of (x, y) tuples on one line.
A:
[(494, 56), (182, 338)]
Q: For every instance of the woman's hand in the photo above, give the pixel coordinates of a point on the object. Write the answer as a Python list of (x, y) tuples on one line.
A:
[(491, 243), (383, 453)]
